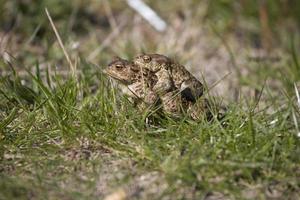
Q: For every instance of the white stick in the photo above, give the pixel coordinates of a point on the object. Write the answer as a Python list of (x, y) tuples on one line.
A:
[(145, 11), (297, 95)]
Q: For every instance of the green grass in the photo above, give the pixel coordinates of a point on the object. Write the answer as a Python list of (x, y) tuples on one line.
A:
[(64, 137), (56, 145)]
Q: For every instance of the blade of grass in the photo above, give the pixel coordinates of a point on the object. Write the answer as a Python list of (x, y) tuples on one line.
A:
[(8, 119), (73, 69)]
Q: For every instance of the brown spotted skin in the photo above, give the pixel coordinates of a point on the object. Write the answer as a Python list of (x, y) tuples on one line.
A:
[(134, 82), (200, 110), (140, 84), (152, 62), (122, 70), (176, 106), (170, 74)]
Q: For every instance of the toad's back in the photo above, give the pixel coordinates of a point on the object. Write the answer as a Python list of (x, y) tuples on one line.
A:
[(166, 69)]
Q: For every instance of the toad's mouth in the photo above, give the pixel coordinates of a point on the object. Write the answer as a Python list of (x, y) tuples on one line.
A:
[(118, 78)]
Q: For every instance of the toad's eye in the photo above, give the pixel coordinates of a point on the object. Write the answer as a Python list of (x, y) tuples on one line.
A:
[(146, 58), (119, 66)]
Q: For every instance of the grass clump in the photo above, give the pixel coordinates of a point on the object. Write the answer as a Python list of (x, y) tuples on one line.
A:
[(68, 137)]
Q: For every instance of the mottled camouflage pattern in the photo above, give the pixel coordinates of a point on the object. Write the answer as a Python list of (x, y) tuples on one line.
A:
[(170, 74), (139, 82)]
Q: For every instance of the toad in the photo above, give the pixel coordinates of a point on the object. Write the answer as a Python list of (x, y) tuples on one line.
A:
[(169, 74), (133, 81), (139, 83)]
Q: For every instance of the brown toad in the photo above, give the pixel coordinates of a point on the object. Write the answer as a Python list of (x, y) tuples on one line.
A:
[(134, 82), (138, 84), (170, 74)]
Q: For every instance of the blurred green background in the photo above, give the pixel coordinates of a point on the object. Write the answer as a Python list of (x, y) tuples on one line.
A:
[(95, 31), (251, 16)]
